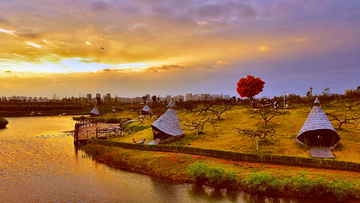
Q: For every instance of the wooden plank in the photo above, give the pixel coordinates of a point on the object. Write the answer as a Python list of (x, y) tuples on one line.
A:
[(321, 152)]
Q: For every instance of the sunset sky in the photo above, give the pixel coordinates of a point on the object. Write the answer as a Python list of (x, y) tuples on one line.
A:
[(169, 47)]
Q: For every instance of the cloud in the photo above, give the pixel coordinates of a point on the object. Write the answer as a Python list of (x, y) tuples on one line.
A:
[(223, 62), (225, 10), (99, 6), (8, 71), (34, 45), (264, 48), (164, 67), (7, 31), (303, 39)]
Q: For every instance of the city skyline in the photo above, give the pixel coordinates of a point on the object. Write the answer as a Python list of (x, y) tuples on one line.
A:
[(133, 48)]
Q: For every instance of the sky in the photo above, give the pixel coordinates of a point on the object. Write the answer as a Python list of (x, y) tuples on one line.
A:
[(131, 48)]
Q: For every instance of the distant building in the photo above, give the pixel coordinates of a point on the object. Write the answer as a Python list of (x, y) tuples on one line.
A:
[(88, 97), (188, 97), (147, 97)]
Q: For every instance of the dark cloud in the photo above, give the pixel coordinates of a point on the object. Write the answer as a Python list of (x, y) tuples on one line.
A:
[(3, 21), (99, 6), (29, 35), (8, 71)]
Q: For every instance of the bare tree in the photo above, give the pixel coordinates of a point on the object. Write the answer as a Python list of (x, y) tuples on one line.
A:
[(343, 119), (218, 110), (262, 133), (197, 125), (267, 114), (350, 99)]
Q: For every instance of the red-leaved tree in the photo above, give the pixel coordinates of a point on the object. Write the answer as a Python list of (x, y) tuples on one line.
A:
[(249, 86)]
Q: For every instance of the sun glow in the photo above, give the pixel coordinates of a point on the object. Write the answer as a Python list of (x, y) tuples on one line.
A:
[(7, 31)]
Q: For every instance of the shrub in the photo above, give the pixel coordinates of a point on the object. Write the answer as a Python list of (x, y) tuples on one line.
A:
[(301, 185), (214, 176), (320, 187), (79, 118), (230, 180), (91, 139), (262, 182), (113, 120), (3, 122), (341, 189), (199, 170)]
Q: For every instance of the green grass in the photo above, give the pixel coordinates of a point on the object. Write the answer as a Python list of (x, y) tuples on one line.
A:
[(224, 137)]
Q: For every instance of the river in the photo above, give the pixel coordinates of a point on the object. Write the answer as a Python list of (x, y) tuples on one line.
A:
[(38, 163)]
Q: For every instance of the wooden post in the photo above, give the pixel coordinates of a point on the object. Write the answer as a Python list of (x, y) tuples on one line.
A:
[(257, 146)]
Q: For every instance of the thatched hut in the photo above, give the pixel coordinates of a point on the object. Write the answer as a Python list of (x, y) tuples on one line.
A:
[(167, 126), (317, 129), (146, 110), (94, 112)]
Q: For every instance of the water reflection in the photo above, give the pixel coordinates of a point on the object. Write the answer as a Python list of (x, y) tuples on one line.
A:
[(39, 163)]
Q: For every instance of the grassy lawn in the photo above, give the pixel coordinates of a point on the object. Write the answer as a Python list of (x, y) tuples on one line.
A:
[(226, 138)]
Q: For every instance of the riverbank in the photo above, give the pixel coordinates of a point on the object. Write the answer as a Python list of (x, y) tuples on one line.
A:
[(252, 177)]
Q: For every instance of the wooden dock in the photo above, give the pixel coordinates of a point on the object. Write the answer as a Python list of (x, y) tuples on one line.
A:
[(96, 128)]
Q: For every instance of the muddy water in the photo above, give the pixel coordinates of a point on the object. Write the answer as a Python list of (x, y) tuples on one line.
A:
[(38, 163)]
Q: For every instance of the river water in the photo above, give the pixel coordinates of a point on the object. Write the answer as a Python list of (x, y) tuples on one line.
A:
[(38, 163)]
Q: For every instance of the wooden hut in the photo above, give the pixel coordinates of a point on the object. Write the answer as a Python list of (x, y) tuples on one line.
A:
[(167, 126), (317, 129)]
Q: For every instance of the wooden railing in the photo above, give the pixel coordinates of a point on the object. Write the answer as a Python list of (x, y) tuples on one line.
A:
[(83, 124), (83, 135)]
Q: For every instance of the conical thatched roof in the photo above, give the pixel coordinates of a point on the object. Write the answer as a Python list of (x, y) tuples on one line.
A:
[(318, 129), (169, 123), (171, 104), (95, 111), (317, 101), (146, 109)]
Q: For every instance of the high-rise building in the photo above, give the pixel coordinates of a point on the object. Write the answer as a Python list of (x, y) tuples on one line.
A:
[(188, 97), (88, 97)]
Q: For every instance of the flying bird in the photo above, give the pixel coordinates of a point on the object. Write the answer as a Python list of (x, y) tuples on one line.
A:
[(102, 48)]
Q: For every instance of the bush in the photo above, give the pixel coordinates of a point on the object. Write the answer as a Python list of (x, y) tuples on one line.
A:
[(301, 185), (230, 180), (3, 122), (91, 139), (262, 182), (113, 120), (79, 118), (199, 170), (215, 176), (341, 189)]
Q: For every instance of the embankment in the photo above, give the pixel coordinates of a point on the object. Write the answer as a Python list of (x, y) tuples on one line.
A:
[(251, 177)]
